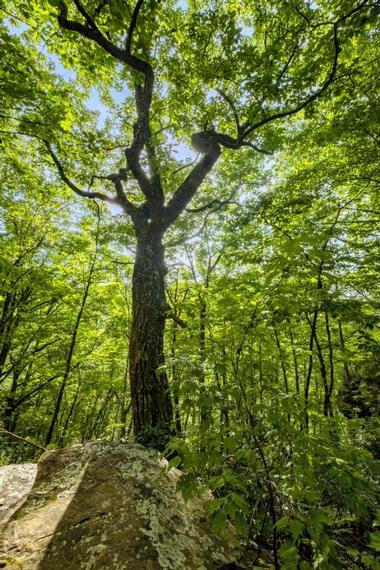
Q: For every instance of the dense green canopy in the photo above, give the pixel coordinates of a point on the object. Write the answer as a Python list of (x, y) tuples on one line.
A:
[(242, 138)]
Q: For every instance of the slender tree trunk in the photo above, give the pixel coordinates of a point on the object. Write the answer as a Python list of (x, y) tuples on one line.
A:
[(124, 409), (69, 357), (313, 326), (101, 416), (224, 413), (282, 361), (283, 367), (261, 376), (151, 403), (175, 379), (331, 362), (10, 407), (205, 412), (295, 360), (346, 370), (68, 418), (88, 422), (322, 367)]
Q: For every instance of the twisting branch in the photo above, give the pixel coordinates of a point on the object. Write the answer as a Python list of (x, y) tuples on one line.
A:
[(74, 187), (297, 9), (142, 136), (132, 25), (126, 204), (150, 186), (92, 32), (227, 140), (216, 202), (329, 80), (306, 102), (132, 155)]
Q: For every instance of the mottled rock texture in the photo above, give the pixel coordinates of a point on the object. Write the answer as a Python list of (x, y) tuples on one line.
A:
[(110, 506), (15, 483)]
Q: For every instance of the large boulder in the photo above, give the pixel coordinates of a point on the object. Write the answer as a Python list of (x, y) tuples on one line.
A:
[(110, 506)]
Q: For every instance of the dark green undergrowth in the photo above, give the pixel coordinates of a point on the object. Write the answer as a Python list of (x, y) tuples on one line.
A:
[(311, 499)]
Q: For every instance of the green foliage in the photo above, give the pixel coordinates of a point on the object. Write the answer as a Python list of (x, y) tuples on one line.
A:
[(273, 271)]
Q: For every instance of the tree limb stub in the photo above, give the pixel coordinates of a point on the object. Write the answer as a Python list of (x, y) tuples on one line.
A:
[(178, 321)]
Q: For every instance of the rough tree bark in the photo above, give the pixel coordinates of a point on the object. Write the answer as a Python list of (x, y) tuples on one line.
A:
[(150, 395)]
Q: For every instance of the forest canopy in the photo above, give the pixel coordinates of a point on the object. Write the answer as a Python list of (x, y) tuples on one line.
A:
[(189, 216)]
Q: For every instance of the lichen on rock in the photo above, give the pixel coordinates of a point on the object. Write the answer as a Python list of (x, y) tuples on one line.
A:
[(106, 505)]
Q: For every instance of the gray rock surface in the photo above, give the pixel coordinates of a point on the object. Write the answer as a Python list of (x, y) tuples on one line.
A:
[(15, 483), (110, 506)]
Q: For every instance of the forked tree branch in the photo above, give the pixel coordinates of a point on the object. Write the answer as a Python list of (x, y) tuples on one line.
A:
[(92, 32)]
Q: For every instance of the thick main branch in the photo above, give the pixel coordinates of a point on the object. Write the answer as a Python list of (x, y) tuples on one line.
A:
[(188, 188)]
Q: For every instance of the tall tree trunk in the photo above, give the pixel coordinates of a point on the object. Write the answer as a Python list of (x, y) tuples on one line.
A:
[(224, 410), (151, 402), (346, 370), (322, 367), (10, 407), (282, 361), (6, 327), (283, 367), (261, 376), (68, 364), (68, 418)]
